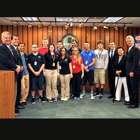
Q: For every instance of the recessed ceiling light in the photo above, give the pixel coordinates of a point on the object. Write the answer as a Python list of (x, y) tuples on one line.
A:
[(112, 19), (30, 18)]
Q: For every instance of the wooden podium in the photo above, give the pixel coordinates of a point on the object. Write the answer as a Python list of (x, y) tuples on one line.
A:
[(7, 94)]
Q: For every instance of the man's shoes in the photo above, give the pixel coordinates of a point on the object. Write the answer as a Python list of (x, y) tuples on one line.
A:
[(133, 106), (95, 94), (110, 96), (24, 103), (82, 96), (33, 100), (71, 95), (92, 97), (41, 98), (17, 114), (54, 99), (127, 103), (20, 106), (100, 96), (17, 111)]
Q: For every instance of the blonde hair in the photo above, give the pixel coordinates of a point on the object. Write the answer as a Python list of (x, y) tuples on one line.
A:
[(78, 57), (34, 45), (130, 37), (5, 32)]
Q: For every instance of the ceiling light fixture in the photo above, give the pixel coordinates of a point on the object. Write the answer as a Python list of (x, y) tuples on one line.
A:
[(80, 25), (112, 19), (116, 27), (106, 27), (71, 24), (125, 28), (50, 25), (30, 18), (16, 24), (30, 25), (66, 26), (39, 26), (94, 27)]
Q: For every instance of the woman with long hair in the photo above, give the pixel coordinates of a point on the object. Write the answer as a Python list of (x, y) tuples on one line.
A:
[(65, 69), (51, 72), (78, 72)]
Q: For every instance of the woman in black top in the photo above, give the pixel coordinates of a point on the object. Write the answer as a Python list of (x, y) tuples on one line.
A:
[(51, 72), (119, 67), (65, 69)]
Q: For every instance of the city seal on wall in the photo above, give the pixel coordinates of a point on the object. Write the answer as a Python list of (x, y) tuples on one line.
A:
[(66, 40)]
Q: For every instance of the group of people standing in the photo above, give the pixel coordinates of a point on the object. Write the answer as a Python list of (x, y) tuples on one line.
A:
[(47, 67)]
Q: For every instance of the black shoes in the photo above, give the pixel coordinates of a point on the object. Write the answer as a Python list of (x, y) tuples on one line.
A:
[(20, 106), (114, 100), (17, 111), (127, 103), (71, 95), (100, 96), (24, 103), (133, 106), (110, 96)]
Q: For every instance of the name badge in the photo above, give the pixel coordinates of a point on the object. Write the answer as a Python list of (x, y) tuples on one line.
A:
[(86, 62), (53, 64), (60, 67), (35, 63), (73, 66)]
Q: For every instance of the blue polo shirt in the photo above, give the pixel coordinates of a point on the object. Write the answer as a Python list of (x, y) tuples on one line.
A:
[(87, 58)]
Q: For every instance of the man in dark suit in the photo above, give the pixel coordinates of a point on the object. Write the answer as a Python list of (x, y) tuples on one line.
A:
[(132, 71), (112, 53), (14, 43), (8, 58)]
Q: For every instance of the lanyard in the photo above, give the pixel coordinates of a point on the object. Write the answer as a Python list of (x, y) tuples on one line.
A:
[(99, 54), (53, 57)]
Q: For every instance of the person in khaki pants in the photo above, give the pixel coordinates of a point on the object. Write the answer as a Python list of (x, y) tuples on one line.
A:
[(51, 72), (25, 77), (65, 69)]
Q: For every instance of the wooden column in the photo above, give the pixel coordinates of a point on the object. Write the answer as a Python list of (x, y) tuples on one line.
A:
[(7, 94)]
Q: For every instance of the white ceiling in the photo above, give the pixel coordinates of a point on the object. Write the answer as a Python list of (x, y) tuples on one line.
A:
[(62, 21)]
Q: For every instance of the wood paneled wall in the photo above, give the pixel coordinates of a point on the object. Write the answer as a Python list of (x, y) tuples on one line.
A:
[(35, 35)]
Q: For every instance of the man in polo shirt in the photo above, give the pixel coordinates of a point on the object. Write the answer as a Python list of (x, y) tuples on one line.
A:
[(36, 63), (89, 60)]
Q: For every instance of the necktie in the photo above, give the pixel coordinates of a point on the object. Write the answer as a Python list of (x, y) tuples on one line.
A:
[(11, 50), (111, 54)]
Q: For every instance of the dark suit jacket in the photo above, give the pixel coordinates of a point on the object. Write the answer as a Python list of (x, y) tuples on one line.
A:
[(7, 60), (110, 63), (132, 63), (120, 65)]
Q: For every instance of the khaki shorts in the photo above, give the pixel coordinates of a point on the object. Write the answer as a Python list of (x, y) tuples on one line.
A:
[(99, 76)]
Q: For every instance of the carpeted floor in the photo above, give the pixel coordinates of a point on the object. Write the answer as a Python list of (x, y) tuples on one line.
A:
[(85, 108)]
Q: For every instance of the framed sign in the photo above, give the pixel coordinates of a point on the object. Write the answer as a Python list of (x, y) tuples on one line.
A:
[(66, 40)]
